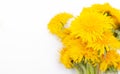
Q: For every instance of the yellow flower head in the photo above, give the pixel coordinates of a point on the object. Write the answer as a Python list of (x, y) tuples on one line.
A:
[(105, 43), (68, 56), (102, 8), (56, 24), (65, 58), (73, 51), (112, 58), (89, 26), (107, 10), (71, 40), (91, 56), (75, 54)]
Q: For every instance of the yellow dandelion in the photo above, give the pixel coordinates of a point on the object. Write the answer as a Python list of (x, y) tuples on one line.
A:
[(102, 8), (91, 56), (89, 26), (70, 41), (72, 53), (112, 58), (65, 58), (108, 10), (75, 53), (68, 56), (56, 24), (105, 43)]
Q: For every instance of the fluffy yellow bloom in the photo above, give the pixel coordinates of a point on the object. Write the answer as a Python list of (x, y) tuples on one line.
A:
[(75, 54), (56, 24), (112, 58), (71, 40), (107, 10), (73, 51), (68, 56), (65, 58), (102, 8), (91, 56), (76, 50), (105, 43), (89, 26)]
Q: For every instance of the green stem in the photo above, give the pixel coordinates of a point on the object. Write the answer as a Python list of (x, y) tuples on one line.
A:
[(91, 69), (83, 67), (78, 68), (97, 69), (78, 71), (87, 68)]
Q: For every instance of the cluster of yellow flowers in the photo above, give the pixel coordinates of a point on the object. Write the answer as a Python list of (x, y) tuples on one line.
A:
[(93, 37)]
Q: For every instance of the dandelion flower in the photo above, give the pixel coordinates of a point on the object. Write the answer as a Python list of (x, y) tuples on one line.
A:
[(105, 43), (65, 58), (73, 51), (107, 10), (71, 40), (90, 26), (91, 56), (112, 58), (56, 24), (68, 56)]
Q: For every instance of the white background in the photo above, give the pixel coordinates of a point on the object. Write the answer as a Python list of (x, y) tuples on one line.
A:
[(26, 46)]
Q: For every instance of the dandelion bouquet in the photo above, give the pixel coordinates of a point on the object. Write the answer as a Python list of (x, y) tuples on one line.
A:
[(91, 40)]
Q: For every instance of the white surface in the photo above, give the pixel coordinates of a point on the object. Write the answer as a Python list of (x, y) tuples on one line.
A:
[(26, 46)]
